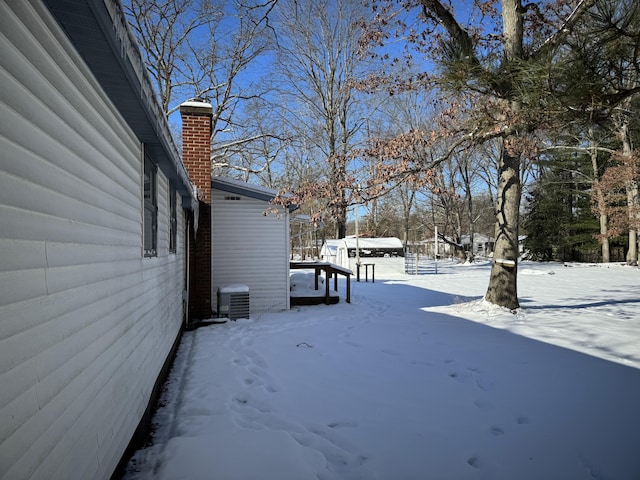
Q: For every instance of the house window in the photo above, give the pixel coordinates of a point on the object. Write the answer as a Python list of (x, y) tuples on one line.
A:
[(173, 219), (150, 209)]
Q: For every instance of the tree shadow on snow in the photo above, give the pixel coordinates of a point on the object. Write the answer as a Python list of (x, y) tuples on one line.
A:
[(582, 408)]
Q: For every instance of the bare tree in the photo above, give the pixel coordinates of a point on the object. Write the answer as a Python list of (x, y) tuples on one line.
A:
[(203, 49), (632, 180), (164, 29), (317, 58), (599, 197), (221, 72)]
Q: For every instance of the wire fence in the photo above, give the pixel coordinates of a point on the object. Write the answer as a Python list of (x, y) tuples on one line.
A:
[(417, 264)]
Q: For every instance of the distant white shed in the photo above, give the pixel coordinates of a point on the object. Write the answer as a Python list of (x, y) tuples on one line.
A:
[(387, 253)]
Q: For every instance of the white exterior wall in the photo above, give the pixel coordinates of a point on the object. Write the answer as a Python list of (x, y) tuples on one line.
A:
[(250, 248), (85, 321)]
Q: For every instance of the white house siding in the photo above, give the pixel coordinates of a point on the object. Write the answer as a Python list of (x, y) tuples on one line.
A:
[(85, 321), (252, 249)]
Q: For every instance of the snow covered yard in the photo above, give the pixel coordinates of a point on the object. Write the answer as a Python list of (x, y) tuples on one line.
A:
[(417, 378)]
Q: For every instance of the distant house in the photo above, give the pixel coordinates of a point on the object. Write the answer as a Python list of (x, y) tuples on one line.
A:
[(97, 221), (482, 245), (386, 253), (250, 243), (427, 247)]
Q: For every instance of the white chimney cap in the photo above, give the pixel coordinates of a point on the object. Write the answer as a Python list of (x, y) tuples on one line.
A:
[(196, 103)]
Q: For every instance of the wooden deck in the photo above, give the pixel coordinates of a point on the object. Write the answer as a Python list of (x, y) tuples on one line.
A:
[(331, 270)]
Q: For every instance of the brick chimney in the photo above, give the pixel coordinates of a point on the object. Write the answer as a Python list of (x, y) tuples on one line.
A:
[(196, 156)]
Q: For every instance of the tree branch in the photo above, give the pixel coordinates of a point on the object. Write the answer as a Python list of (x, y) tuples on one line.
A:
[(241, 141), (444, 17), (554, 40)]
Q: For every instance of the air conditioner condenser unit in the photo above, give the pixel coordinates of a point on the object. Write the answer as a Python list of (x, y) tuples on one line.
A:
[(233, 302)]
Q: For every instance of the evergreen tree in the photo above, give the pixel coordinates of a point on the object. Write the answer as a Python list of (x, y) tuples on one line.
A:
[(559, 223)]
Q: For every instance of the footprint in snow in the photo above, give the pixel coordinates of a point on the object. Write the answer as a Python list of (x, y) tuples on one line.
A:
[(242, 362), (393, 353), (240, 400), (337, 424), (247, 401), (474, 374), (421, 362), (483, 405), (484, 384), (341, 459), (256, 359), (461, 377), (474, 461)]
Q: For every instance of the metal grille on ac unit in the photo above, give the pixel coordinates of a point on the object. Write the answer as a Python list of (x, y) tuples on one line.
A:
[(233, 302)]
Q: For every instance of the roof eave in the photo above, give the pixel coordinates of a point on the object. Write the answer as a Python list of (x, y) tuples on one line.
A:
[(100, 33), (247, 191)]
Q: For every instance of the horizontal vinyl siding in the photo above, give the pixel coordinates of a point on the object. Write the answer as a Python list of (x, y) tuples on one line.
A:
[(86, 322), (250, 248)]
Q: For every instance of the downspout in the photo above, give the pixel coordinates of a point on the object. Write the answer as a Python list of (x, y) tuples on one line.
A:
[(187, 274)]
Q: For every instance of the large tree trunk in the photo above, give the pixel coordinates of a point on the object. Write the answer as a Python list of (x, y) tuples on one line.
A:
[(503, 285), (633, 204), (341, 225), (601, 204), (470, 219), (606, 249), (602, 213), (633, 199), (339, 200)]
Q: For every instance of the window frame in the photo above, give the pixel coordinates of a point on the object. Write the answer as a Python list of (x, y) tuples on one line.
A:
[(150, 208), (173, 219)]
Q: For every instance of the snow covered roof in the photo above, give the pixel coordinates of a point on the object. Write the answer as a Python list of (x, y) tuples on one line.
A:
[(350, 242), (250, 190)]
